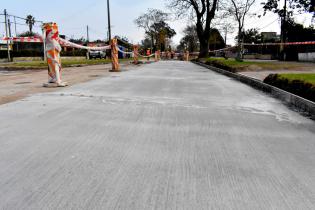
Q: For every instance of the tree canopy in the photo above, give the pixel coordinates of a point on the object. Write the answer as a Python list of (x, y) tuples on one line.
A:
[(216, 40), (251, 36), (30, 21), (161, 32), (277, 6), (298, 33), (156, 28), (204, 12), (190, 40)]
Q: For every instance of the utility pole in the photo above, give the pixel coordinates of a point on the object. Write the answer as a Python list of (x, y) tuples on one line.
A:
[(87, 42), (10, 34), (225, 34), (108, 18), (17, 44), (283, 32), (6, 32), (87, 34), (9, 27), (15, 27), (44, 42)]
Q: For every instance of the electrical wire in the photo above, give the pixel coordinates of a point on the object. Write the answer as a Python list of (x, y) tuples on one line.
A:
[(97, 31), (36, 21), (269, 24), (79, 12), (257, 21)]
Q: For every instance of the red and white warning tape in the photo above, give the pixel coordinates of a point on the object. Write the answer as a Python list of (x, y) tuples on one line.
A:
[(268, 44), (224, 49), (147, 56), (62, 42), (194, 53), (66, 43), (286, 43), (24, 39), (130, 53)]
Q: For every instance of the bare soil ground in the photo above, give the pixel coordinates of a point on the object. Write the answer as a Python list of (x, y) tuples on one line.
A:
[(19, 84)]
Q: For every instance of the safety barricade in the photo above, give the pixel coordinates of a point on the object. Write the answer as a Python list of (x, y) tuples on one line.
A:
[(135, 54), (114, 51), (53, 50)]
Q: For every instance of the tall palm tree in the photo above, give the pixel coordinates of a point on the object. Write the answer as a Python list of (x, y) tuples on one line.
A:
[(30, 20)]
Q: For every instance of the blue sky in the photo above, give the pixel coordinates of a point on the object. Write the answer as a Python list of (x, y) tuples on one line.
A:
[(73, 16)]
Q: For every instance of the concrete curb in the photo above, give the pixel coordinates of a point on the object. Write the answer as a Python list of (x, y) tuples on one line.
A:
[(298, 103)]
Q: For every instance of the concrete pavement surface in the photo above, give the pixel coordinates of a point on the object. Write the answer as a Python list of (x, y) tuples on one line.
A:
[(169, 135)]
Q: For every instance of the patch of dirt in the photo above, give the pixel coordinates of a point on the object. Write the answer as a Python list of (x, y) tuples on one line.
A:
[(252, 68), (15, 85)]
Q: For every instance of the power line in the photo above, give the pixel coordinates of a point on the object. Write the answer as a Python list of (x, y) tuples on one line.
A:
[(259, 20), (78, 12), (268, 24), (36, 21), (97, 31)]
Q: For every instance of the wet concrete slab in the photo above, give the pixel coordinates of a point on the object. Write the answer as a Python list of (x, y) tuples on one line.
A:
[(169, 135)]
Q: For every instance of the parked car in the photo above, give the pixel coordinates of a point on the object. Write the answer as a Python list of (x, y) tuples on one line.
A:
[(97, 54)]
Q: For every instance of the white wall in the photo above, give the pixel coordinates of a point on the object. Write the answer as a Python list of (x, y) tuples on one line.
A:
[(307, 56)]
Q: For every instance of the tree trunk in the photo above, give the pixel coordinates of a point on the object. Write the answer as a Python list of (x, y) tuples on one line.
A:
[(239, 55), (204, 47), (152, 42), (203, 40)]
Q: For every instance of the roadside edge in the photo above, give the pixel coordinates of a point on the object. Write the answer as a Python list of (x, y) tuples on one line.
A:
[(299, 104)]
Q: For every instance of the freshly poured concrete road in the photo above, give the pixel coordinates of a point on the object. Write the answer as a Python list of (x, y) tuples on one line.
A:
[(170, 135)]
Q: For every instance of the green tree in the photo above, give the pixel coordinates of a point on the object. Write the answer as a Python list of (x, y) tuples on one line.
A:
[(240, 9), (292, 5), (146, 20), (28, 34), (285, 11), (204, 12), (161, 32), (251, 36), (298, 33), (216, 40), (146, 43), (30, 21), (190, 40)]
